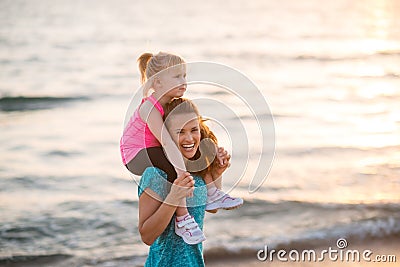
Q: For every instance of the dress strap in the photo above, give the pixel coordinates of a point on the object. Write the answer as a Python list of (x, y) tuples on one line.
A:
[(157, 104)]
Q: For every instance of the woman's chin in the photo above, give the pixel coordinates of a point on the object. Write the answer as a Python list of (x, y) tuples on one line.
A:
[(188, 154)]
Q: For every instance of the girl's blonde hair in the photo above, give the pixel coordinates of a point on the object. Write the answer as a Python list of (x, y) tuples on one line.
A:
[(150, 64), (184, 106)]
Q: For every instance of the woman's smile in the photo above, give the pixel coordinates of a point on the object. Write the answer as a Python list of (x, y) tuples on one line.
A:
[(188, 147), (185, 130)]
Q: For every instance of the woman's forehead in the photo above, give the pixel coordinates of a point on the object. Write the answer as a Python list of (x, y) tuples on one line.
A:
[(183, 119)]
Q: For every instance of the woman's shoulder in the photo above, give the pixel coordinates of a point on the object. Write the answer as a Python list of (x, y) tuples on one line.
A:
[(154, 179), (152, 171)]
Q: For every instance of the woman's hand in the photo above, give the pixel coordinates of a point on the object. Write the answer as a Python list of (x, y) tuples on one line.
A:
[(155, 215), (182, 187), (223, 158)]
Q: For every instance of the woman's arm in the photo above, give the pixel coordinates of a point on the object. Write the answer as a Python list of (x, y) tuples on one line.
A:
[(154, 215)]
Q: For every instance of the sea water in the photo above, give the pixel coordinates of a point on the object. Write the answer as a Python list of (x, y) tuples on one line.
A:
[(329, 73)]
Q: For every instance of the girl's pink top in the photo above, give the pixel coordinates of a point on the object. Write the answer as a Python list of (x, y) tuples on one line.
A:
[(137, 134)]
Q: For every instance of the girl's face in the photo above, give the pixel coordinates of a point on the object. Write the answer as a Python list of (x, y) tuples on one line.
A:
[(172, 82), (185, 131)]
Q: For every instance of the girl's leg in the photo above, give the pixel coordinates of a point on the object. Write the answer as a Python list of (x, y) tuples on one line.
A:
[(217, 199), (182, 210), (152, 157), (211, 182), (155, 157), (217, 182)]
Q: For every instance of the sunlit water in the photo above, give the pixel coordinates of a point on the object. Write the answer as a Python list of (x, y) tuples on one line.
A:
[(330, 74)]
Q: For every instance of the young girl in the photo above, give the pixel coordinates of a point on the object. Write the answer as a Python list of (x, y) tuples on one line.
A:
[(144, 139)]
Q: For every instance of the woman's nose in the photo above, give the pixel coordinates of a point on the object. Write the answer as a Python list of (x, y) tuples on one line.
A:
[(188, 137)]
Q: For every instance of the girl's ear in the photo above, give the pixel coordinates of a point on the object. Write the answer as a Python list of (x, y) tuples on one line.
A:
[(156, 83)]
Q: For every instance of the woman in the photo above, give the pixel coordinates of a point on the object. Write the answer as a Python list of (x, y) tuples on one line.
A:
[(158, 199)]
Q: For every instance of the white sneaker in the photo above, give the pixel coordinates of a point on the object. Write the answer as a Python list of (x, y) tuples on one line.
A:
[(220, 200), (189, 230)]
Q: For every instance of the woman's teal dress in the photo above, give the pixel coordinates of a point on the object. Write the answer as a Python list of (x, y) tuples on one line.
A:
[(169, 249)]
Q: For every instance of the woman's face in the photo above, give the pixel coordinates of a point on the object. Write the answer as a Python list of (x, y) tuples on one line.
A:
[(185, 131)]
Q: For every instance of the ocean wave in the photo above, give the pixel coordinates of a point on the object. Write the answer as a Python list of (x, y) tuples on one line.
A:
[(23, 234), (25, 103), (292, 204), (361, 230), (32, 259), (89, 225), (64, 260), (16, 183), (389, 53), (322, 150), (62, 153), (326, 223), (329, 150), (39, 183), (263, 116), (351, 57), (326, 58), (386, 75), (364, 231), (262, 56), (52, 231), (257, 56)]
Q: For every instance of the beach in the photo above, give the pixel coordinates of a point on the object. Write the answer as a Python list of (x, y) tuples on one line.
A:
[(387, 249), (304, 96), (388, 246)]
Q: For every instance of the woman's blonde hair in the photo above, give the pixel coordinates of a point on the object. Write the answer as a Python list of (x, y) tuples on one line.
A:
[(184, 106), (150, 64)]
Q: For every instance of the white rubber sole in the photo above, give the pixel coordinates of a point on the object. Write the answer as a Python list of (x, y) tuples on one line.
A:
[(215, 206), (192, 242)]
